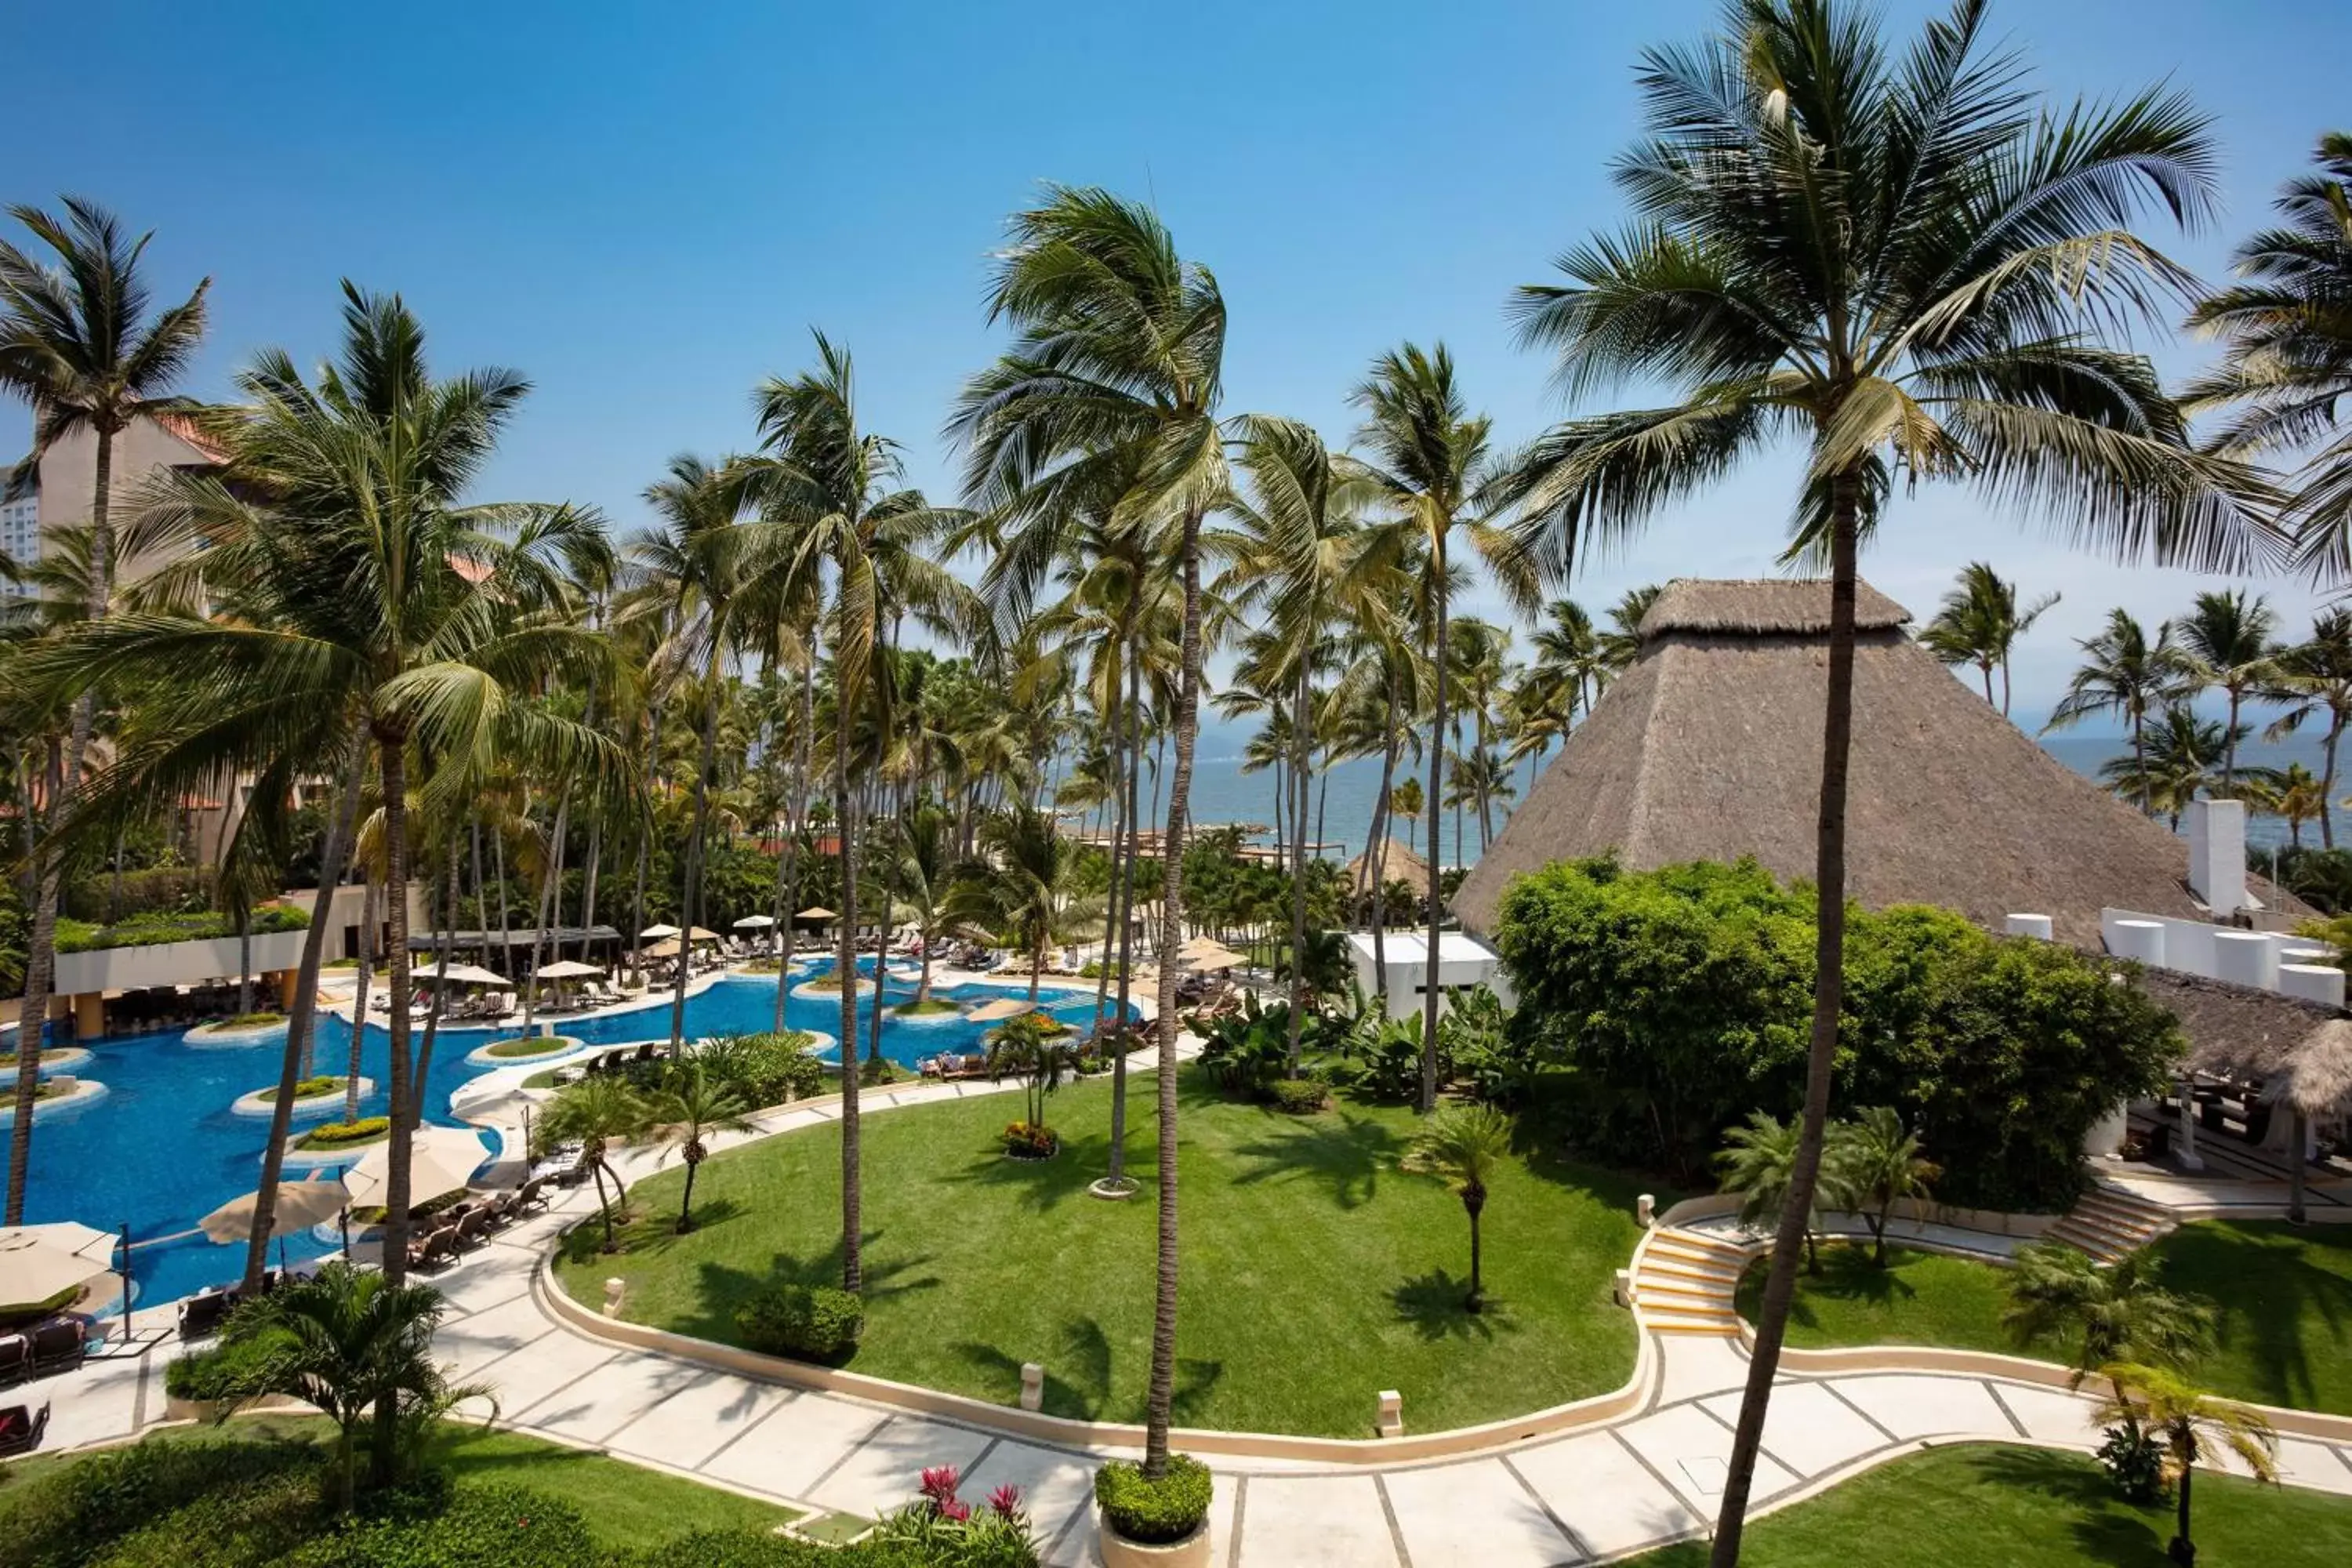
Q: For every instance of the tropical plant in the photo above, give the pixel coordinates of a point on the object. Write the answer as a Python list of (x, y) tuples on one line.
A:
[(1874, 1163), (1980, 622), (596, 1112), (1758, 1161), (2315, 681), (2299, 798), (350, 1342), (1027, 886), (2182, 755), (1903, 261), (1461, 1145), (1025, 1047), (2191, 1423), (2106, 1314), (689, 1105), (1407, 801), (77, 346), (2124, 674), (2228, 640)]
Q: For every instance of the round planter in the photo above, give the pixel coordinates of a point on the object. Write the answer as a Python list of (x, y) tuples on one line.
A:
[(56, 1059), (259, 1103), (1112, 1192), (1192, 1551), (85, 1093), (559, 1047), (219, 1037)]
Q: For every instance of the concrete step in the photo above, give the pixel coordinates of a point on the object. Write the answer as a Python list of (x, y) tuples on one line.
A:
[(1703, 1241), (2104, 1250), (1676, 1269), (1674, 1293), (1723, 1331), (1669, 1246)]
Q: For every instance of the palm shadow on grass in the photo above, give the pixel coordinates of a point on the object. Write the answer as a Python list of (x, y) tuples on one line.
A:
[(2107, 1528), (1081, 1375), (1042, 1185), (1434, 1304), (2267, 1324), (721, 1288), (1348, 1152)]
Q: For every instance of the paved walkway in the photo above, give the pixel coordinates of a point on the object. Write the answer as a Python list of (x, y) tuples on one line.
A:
[(1590, 1496)]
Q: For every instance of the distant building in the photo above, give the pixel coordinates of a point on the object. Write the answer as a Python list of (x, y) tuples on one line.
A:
[(20, 535), (151, 446)]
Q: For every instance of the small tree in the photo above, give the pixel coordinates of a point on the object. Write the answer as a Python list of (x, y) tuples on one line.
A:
[(1756, 1162), (1873, 1160), (2118, 1314), (346, 1342), (1025, 1046), (596, 1111), (1461, 1144), (690, 1105), (2188, 1420)]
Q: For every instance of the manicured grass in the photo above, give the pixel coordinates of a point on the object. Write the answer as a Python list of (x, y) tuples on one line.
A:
[(1315, 1272), (925, 1007), (2285, 1293), (532, 1045), (308, 1089), (1995, 1507), (626, 1505), (1919, 1298)]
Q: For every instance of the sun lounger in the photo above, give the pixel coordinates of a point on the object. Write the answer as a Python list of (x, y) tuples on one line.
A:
[(201, 1315), (59, 1346), (531, 1196), (21, 1429), (15, 1357)]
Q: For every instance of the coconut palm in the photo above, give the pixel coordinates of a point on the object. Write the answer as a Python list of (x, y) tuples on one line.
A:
[(2315, 679), (926, 877), (1980, 622), (1407, 801), (1758, 1161), (1901, 261), (596, 1112), (1026, 886), (683, 1111), (2126, 675), (2298, 797), (1463, 1145), (1620, 645), (2287, 342), (2192, 1422), (2230, 640), (1115, 378), (1874, 1163), (1025, 1047), (77, 345), (1428, 457)]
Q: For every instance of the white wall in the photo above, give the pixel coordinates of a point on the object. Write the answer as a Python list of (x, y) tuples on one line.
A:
[(172, 962)]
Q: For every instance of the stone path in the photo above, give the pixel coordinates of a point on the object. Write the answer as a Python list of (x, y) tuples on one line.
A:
[(1588, 1496)]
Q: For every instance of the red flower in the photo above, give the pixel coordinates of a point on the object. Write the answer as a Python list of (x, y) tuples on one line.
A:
[(1006, 1500)]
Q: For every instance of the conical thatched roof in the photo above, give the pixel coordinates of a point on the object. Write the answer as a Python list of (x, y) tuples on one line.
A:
[(1398, 864), (1710, 748)]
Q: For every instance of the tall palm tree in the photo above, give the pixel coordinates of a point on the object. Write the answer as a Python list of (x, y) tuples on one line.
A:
[(1980, 622), (2192, 1422), (1462, 1144), (2230, 641), (2315, 679), (2299, 798), (684, 1111), (1406, 800), (1027, 885), (1114, 376), (2287, 342), (1428, 457), (77, 345), (2182, 755), (595, 1113), (1620, 645), (2125, 674), (1900, 260)]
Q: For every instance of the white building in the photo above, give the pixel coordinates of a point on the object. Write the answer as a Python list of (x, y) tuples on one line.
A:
[(1463, 961), (20, 536)]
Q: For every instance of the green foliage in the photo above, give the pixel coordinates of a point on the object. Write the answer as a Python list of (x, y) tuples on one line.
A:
[(1154, 1512), (1030, 1141), (1382, 1058), (2320, 877), (153, 930), (1299, 1096), (532, 1045), (306, 1089), (165, 1505), (228, 1370), (476, 1527), (1476, 1042), (334, 1134), (151, 890), (2134, 1460), (815, 1323), (765, 1069), (1680, 999)]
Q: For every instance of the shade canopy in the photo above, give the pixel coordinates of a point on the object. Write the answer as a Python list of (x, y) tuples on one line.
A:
[(1200, 944), (458, 974), (665, 949), (1209, 959), (997, 1012), (440, 1160), (300, 1205), (816, 912), (651, 932), (755, 923), (40, 1263), (569, 969), (698, 934)]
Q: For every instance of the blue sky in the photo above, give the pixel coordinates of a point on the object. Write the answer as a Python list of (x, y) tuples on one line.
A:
[(644, 208)]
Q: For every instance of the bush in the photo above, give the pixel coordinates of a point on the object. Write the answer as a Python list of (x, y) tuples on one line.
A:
[(815, 1323), (305, 1089), (1300, 1096), (1154, 1512), (2134, 1460), (877, 1071), (476, 1527), (765, 1069), (334, 1134), (163, 1505), (1027, 1141), (153, 930), (224, 1370), (157, 889), (250, 1021)]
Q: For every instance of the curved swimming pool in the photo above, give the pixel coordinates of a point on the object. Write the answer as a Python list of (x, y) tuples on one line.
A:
[(163, 1148)]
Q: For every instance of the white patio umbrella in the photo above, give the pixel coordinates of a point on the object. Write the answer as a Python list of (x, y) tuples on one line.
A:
[(458, 974), (654, 933), (755, 923), (39, 1263), (440, 1160), (569, 969)]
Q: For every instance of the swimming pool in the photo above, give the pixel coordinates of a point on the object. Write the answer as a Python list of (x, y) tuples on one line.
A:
[(163, 1149)]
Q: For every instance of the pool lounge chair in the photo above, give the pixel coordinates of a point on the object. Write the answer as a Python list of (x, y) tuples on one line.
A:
[(15, 1357), (531, 1195), (201, 1315), (59, 1346), (21, 1428)]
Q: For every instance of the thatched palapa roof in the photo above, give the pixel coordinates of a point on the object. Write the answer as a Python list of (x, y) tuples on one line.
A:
[(1398, 864), (2303, 1047), (1708, 748)]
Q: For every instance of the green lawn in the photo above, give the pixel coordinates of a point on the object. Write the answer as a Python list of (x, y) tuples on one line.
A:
[(1919, 1298), (1315, 1272), (626, 1505), (1994, 1506)]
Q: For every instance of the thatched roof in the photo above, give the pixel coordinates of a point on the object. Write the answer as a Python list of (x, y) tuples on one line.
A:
[(1398, 864), (2238, 1031), (1710, 748)]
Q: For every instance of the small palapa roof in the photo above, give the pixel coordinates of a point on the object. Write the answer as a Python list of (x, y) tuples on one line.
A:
[(2303, 1048), (1397, 864)]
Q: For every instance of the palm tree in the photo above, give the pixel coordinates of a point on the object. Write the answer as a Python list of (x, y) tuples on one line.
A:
[(1114, 376), (2286, 362), (1021, 1047), (2229, 641), (594, 1112), (346, 1341), (926, 877), (1027, 885), (1406, 801), (2123, 673), (2191, 1421), (77, 345), (1902, 260), (1462, 1144), (1758, 1161), (1980, 622), (2183, 756), (1620, 645), (1875, 1162), (2314, 678), (689, 1105), (2106, 1314), (1428, 457), (2299, 798)]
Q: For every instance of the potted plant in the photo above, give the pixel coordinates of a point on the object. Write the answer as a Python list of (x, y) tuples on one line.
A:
[(1162, 1523)]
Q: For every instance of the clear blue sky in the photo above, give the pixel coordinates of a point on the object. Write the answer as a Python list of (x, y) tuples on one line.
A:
[(645, 207)]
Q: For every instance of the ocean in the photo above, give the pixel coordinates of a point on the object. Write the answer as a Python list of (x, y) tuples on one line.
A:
[(1223, 793)]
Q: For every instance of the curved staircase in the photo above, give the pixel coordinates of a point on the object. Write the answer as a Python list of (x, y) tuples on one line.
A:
[(2110, 1223), (1687, 1281)]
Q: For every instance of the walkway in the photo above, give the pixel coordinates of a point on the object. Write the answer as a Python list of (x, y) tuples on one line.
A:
[(1590, 1495)]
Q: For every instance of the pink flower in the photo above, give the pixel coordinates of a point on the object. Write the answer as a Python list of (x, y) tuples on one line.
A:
[(1006, 1500), (939, 1485), (954, 1511)]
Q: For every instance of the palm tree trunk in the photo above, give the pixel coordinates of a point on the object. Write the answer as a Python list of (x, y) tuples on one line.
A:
[(2229, 743), (645, 847), (2183, 1549), (1298, 869), (296, 1062), (368, 894), (1475, 1201), (799, 817), (499, 863), (551, 903), (1116, 802), (395, 855), (853, 1249), (1829, 878), (685, 1202), (1984, 668), (244, 956), (694, 852), (588, 888), (1436, 795), (1376, 850), (481, 892), (2139, 761), (881, 956), (2328, 781)]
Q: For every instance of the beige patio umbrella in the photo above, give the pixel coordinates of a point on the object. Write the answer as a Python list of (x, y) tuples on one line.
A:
[(816, 912), (1209, 959), (440, 1160), (698, 934), (458, 974), (997, 1012), (650, 932), (41, 1264), (569, 969), (667, 948), (300, 1205)]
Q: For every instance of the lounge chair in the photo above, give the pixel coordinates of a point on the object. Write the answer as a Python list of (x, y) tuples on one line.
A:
[(531, 1196), (647, 1051), (21, 1428), (472, 1229), (201, 1315), (59, 1346), (15, 1357)]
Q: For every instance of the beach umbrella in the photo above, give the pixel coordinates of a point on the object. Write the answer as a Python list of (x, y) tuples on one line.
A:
[(1209, 959), (458, 974), (300, 1205), (651, 932), (665, 949), (440, 1160), (755, 923), (698, 934), (39, 1263), (568, 969), (816, 912)]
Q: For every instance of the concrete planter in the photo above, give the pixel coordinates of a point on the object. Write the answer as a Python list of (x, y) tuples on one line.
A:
[(211, 1410), (1118, 1551)]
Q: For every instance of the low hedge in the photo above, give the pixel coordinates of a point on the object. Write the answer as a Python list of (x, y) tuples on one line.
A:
[(249, 1021), (813, 1323), (1299, 1096), (308, 1089), (1153, 1513), (334, 1134), (154, 930), (219, 1371)]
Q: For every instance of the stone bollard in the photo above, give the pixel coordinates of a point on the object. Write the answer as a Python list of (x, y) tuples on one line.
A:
[(612, 1289), (1645, 1211), (1624, 1287), (1032, 1385), (1391, 1413)]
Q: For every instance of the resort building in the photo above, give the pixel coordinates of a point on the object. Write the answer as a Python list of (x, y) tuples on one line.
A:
[(151, 445), (20, 535)]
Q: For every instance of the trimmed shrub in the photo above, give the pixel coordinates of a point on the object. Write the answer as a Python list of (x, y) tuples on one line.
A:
[(306, 1089), (1299, 1096), (816, 1323), (1025, 1141), (334, 1134), (1153, 1513), (478, 1527), (220, 1371), (153, 931), (250, 1021)]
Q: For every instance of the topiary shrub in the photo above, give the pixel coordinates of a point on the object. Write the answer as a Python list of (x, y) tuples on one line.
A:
[(816, 1323), (335, 1135), (1299, 1096), (222, 1371), (1153, 1513)]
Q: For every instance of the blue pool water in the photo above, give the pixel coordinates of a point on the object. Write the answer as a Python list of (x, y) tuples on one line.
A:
[(163, 1149)]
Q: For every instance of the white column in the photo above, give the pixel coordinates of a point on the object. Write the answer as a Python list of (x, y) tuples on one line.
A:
[(2189, 1160), (2035, 926), (2314, 982), (2245, 958), (2140, 940)]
